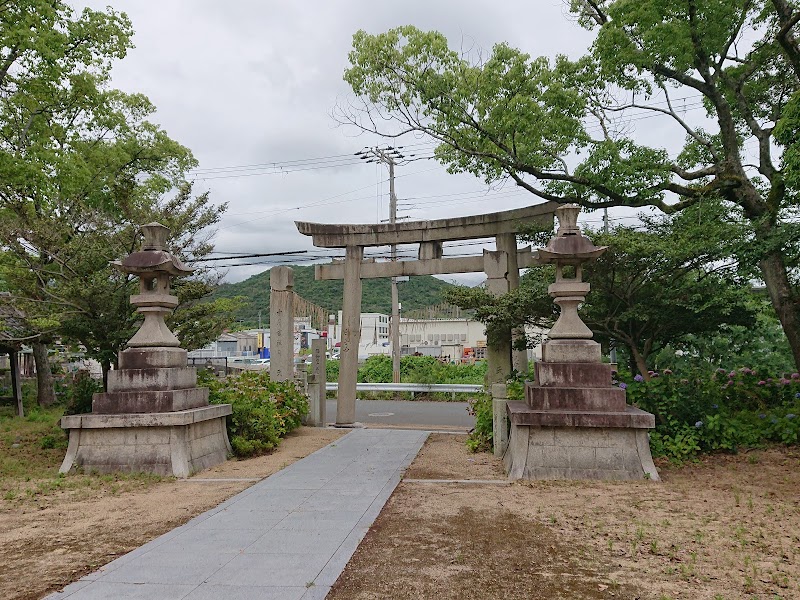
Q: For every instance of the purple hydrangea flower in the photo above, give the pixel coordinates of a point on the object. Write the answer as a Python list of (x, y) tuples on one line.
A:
[(699, 424), (638, 378), (797, 395), (623, 386), (790, 416)]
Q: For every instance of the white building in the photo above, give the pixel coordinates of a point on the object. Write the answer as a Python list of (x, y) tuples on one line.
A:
[(458, 339), (455, 338)]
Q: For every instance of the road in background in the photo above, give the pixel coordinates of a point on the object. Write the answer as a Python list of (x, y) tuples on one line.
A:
[(408, 412)]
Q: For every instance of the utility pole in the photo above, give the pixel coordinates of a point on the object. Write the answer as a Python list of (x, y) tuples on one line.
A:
[(389, 156)]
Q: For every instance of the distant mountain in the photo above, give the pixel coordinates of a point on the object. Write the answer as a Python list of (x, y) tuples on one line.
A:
[(416, 293)]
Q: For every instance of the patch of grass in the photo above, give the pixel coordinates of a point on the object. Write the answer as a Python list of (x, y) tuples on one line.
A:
[(31, 452)]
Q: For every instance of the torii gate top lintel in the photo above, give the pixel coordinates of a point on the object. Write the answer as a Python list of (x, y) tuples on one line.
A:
[(439, 230)]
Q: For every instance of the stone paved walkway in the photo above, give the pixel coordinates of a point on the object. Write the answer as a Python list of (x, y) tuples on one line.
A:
[(287, 537)]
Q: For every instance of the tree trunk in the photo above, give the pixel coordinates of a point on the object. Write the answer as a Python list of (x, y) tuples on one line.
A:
[(106, 366), (641, 363), (773, 270), (46, 393), (16, 382)]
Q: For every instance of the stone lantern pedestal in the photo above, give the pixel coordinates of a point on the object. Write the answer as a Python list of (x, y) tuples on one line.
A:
[(153, 418), (574, 424)]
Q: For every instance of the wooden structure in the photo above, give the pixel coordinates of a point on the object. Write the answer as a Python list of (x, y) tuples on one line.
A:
[(11, 333)]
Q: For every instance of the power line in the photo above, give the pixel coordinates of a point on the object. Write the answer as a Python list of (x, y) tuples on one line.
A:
[(290, 252)]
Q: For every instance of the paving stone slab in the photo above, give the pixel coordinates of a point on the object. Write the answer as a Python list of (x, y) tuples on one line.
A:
[(288, 536)]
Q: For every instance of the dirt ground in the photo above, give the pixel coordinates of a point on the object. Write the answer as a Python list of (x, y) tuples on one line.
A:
[(50, 539), (722, 529)]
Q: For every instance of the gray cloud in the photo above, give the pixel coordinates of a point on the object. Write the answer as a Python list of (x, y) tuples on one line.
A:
[(246, 82)]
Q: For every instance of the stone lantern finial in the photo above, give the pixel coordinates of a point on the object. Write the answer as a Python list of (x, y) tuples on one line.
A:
[(567, 215), (155, 236)]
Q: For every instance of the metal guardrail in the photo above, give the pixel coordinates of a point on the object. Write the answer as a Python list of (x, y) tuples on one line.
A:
[(453, 388)]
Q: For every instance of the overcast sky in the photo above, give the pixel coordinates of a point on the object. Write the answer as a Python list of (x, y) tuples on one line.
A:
[(247, 82)]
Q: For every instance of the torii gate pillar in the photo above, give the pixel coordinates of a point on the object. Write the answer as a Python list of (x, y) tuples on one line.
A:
[(351, 335)]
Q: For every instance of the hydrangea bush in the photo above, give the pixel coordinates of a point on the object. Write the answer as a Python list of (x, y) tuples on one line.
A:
[(722, 411), (264, 411)]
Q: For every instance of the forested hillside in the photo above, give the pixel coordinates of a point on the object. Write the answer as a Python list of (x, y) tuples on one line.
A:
[(418, 292)]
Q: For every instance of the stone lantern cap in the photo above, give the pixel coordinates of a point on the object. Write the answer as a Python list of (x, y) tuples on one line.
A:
[(154, 256), (569, 244)]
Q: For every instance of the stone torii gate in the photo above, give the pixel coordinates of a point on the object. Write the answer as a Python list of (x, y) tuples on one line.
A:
[(501, 267)]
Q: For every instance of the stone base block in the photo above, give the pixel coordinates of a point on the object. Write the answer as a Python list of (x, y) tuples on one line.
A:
[(571, 351), (609, 399), (155, 401), (632, 417), (152, 358), (576, 452), (171, 444), (594, 375), (151, 379)]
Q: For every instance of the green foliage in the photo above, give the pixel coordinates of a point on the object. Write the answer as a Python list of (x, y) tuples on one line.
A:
[(418, 292), (420, 369), (760, 345), (79, 393), (656, 286), (81, 168), (377, 369), (264, 411), (481, 437), (721, 411), (332, 370)]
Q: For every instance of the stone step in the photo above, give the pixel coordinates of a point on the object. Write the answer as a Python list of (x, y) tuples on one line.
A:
[(147, 358), (632, 417), (152, 378), (595, 375), (149, 401), (607, 399)]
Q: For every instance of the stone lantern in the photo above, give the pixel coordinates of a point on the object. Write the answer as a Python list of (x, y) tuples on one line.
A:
[(154, 266), (574, 423), (569, 249), (152, 417)]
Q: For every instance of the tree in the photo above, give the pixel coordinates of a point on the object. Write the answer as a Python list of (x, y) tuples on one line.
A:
[(80, 168), (661, 285), (88, 302), (665, 284), (553, 128)]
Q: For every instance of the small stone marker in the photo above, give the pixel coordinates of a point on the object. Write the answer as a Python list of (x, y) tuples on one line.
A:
[(316, 384)]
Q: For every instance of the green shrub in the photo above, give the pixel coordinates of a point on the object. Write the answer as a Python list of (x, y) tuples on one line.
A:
[(419, 369), (264, 411), (481, 437), (332, 370), (79, 391), (721, 411), (376, 369)]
